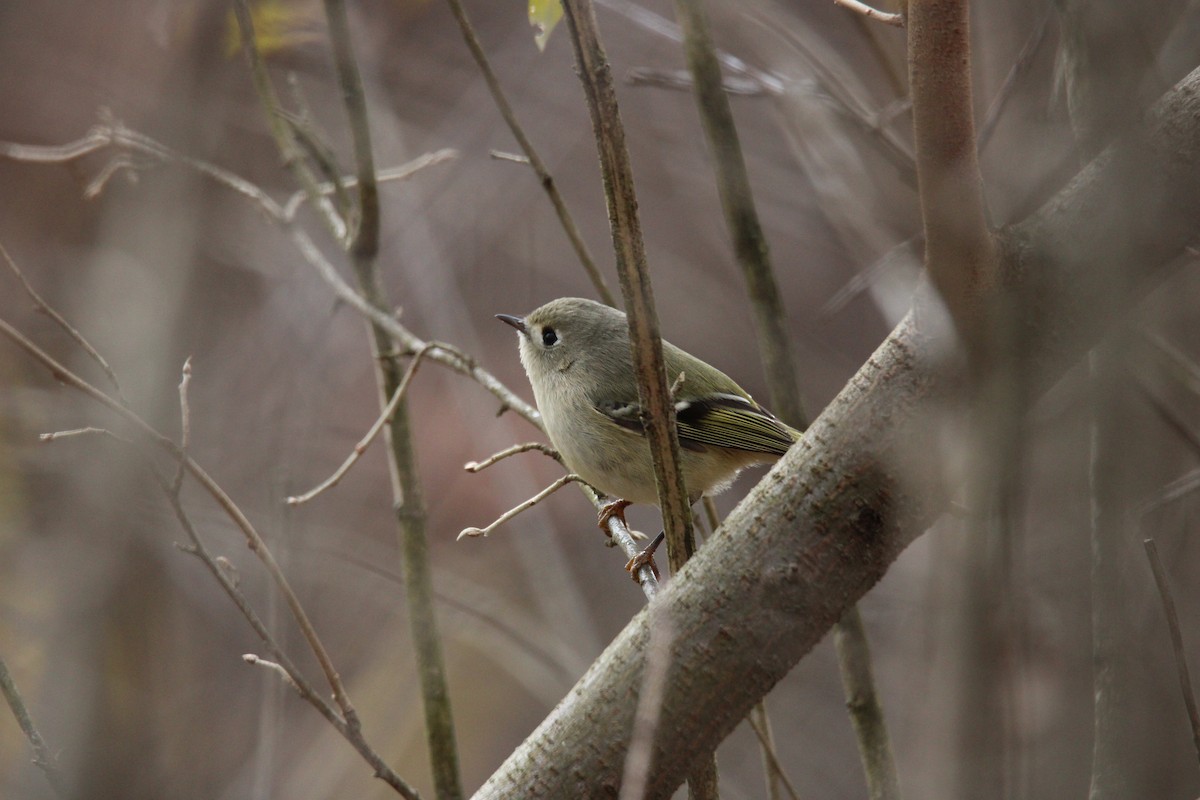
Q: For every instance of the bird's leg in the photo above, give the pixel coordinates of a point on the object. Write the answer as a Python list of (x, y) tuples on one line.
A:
[(614, 509), (645, 558)]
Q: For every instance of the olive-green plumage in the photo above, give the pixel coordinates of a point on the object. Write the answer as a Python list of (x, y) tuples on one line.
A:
[(576, 354)]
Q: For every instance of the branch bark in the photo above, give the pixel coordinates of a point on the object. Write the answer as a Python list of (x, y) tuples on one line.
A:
[(644, 337), (658, 407), (824, 525), (750, 248), (959, 253)]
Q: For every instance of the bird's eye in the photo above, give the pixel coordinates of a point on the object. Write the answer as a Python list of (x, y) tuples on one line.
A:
[(549, 337)]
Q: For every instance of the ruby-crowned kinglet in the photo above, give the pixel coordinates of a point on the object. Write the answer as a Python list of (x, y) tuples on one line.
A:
[(576, 354)]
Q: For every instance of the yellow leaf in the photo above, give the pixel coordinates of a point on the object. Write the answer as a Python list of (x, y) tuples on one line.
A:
[(543, 16), (278, 25)]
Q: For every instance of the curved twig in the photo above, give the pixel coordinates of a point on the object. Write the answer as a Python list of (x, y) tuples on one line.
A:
[(895, 20), (522, 507), (384, 418), (544, 449), (531, 154)]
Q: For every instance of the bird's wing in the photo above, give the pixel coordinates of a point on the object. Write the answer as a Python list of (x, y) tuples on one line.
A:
[(733, 421), (717, 420), (710, 408)]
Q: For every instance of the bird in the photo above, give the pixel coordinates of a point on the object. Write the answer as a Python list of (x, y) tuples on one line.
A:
[(577, 357)]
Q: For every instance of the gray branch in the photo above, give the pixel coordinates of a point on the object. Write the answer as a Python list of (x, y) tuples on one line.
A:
[(826, 523)]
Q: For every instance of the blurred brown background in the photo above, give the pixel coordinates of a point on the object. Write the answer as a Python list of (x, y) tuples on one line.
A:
[(130, 657)]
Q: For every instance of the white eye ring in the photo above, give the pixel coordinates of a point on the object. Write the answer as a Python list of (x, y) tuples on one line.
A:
[(549, 336)]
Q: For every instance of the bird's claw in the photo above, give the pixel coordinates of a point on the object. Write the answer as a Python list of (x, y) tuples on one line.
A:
[(645, 559), (642, 559), (614, 509)]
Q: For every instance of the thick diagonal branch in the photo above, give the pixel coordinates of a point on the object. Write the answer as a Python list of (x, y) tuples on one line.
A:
[(831, 517)]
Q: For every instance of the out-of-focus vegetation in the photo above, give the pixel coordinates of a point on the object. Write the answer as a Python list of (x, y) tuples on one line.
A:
[(130, 657)]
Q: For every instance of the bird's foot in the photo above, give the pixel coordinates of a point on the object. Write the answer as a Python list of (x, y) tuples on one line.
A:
[(614, 509), (645, 558)]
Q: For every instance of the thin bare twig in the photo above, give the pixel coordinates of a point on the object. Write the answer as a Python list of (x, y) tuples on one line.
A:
[(1168, 415), (444, 354), (751, 250), (659, 25), (544, 449), (219, 566), (61, 321), (460, 362), (112, 134), (42, 757), (95, 139), (862, 280), (531, 154), (570, 477), (1181, 666), (389, 175), (88, 431), (595, 74), (865, 708), (250, 658), (384, 418), (226, 576), (253, 539), (1019, 68), (185, 423), (112, 168), (227, 565), (407, 494), (895, 20), (319, 153), (519, 631), (1174, 491), (762, 730), (741, 215), (501, 155), (281, 131), (831, 85), (681, 80), (185, 414), (364, 233), (1175, 361)]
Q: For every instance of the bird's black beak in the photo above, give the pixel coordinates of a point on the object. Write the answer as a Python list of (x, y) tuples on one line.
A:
[(516, 322)]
